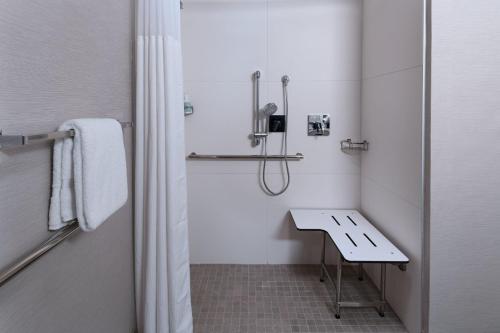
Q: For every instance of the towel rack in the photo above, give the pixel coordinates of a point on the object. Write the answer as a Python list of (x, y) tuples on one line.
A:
[(40, 250), (296, 157), (11, 141)]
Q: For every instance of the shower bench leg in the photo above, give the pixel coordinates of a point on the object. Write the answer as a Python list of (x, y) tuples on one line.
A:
[(321, 272), (379, 305)]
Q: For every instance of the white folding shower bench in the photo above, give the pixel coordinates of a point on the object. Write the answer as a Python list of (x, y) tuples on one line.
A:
[(357, 241)]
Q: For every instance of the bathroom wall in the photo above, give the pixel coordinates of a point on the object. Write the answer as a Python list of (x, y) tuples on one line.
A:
[(318, 44), (62, 60), (391, 121), (465, 164)]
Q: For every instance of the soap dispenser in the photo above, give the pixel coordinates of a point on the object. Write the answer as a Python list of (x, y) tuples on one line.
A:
[(188, 106)]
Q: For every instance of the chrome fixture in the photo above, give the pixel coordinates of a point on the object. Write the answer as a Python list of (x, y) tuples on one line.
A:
[(266, 112), (72, 227), (36, 253), (269, 109), (260, 115), (284, 80), (188, 106), (12, 141), (296, 157), (348, 146), (257, 135), (318, 125)]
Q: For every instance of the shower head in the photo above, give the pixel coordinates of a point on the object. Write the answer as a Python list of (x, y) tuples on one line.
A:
[(269, 109)]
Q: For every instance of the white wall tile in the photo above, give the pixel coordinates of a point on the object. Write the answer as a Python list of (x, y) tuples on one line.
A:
[(221, 124), (392, 123), (315, 39), (227, 219), (342, 101), (223, 40), (392, 35), (401, 222), (288, 245)]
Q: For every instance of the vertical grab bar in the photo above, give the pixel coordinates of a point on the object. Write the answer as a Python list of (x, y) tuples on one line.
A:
[(256, 107)]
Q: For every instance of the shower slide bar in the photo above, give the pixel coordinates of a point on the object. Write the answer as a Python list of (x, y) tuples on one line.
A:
[(296, 157), (12, 141)]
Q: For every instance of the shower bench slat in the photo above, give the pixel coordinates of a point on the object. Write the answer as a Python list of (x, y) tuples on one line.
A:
[(357, 241)]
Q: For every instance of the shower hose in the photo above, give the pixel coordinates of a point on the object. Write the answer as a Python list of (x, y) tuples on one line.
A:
[(269, 191)]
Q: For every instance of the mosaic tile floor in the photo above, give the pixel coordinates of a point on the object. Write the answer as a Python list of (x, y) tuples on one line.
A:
[(280, 298)]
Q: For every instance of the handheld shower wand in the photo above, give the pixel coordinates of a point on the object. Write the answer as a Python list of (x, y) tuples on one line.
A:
[(270, 109)]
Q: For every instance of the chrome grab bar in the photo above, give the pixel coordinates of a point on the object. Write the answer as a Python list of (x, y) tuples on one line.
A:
[(296, 157), (11, 141), (257, 135), (36, 253)]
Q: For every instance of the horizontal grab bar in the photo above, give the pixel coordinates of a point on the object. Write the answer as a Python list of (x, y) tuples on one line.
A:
[(36, 253), (11, 141), (296, 157)]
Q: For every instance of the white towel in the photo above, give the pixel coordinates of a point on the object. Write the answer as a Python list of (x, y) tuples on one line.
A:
[(89, 178)]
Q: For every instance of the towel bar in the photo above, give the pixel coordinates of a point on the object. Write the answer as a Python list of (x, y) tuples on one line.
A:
[(11, 141), (37, 252)]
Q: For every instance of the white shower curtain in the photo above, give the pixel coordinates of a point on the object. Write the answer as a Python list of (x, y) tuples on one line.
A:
[(163, 299)]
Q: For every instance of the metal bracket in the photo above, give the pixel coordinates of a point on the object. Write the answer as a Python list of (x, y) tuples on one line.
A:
[(7, 141), (11, 141)]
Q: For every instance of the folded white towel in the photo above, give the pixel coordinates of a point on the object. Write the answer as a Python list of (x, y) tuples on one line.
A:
[(89, 178)]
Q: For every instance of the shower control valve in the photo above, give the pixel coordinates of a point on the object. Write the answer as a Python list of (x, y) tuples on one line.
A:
[(318, 125)]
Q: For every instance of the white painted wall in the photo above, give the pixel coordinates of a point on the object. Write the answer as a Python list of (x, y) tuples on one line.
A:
[(391, 121), (465, 166), (318, 44)]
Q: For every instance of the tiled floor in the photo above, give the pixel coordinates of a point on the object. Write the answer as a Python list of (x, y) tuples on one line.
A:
[(280, 298)]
